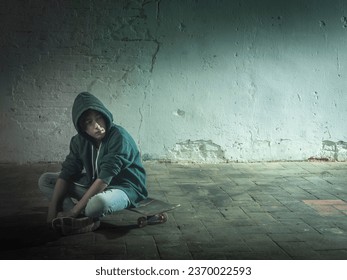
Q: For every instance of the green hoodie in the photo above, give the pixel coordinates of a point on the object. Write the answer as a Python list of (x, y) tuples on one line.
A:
[(117, 161)]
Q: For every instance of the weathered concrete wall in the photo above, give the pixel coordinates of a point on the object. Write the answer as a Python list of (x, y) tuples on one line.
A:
[(206, 81)]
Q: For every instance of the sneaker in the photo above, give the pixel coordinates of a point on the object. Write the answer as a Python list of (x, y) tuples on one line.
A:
[(69, 225)]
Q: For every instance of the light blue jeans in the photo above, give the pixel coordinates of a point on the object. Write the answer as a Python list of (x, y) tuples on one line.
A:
[(100, 205)]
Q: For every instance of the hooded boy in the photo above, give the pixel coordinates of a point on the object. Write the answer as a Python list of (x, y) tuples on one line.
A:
[(103, 171)]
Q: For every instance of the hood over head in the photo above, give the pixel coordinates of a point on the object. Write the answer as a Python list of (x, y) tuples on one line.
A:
[(86, 101)]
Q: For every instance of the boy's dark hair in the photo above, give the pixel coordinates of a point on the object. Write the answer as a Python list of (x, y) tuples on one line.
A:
[(83, 118)]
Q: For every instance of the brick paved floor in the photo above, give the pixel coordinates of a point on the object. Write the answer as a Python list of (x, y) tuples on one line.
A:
[(292, 210)]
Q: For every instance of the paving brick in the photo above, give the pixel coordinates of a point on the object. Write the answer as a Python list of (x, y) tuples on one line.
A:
[(338, 254), (231, 213), (332, 241), (217, 248), (262, 218), (298, 250), (284, 237), (174, 251), (141, 247)]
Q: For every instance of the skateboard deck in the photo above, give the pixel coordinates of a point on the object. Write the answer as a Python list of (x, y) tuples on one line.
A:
[(153, 211)]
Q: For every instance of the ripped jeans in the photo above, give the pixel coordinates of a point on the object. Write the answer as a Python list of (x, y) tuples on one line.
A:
[(100, 205)]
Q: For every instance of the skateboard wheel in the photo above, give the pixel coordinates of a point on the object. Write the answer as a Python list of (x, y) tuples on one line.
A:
[(142, 222)]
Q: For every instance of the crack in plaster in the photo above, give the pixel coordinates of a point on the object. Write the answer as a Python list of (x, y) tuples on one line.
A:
[(158, 10), (338, 61), (154, 56), (144, 3), (151, 38), (141, 118), (156, 51)]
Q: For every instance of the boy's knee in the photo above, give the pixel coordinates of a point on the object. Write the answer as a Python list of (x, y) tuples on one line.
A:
[(47, 181), (96, 207), (43, 181), (106, 203)]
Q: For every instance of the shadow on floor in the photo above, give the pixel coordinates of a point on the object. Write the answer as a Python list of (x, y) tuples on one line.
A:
[(25, 230), (111, 231)]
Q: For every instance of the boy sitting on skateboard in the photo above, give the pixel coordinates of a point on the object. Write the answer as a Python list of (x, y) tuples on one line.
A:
[(103, 171)]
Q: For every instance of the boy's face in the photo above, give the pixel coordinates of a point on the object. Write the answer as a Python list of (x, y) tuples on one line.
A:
[(95, 125)]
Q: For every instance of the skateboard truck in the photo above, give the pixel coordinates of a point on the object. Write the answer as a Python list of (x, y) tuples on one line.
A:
[(153, 211), (152, 220)]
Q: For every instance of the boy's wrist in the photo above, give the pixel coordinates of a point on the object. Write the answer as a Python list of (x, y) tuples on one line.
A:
[(74, 213)]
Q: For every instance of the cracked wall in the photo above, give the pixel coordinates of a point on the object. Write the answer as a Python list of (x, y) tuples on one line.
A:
[(203, 81)]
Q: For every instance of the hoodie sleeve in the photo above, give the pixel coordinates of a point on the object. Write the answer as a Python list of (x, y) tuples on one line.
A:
[(119, 156), (72, 164)]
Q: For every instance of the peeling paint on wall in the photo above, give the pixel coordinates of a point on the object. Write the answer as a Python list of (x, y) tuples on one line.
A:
[(344, 21), (334, 150), (197, 151), (179, 113)]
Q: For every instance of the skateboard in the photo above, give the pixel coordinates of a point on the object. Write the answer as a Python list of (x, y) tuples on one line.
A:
[(153, 211)]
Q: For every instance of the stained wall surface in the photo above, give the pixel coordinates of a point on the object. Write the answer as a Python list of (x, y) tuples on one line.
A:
[(203, 81)]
